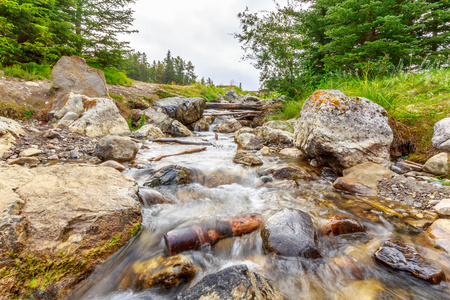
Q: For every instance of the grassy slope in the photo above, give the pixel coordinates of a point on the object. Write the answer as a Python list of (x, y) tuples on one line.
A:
[(414, 102)]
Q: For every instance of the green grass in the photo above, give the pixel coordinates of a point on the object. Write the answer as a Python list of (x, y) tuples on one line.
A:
[(415, 101), (116, 77), (208, 92), (28, 71)]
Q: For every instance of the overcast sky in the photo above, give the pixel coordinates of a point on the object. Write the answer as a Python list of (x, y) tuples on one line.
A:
[(199, 31)]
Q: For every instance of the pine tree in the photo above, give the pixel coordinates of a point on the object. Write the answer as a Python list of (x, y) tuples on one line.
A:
[(97, 24), (169, 71)]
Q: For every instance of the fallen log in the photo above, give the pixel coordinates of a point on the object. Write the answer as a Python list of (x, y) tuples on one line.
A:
[(181, 142), (193, 237), (158, 158), (214, 105), (243, 113)]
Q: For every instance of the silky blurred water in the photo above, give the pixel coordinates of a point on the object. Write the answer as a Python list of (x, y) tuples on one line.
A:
[(225, 189)]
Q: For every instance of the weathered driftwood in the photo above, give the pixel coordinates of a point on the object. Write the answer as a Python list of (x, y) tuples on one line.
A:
[(158, 158), (235, 113), (413, 165), (192, 238), (181, 142), (214, 105)]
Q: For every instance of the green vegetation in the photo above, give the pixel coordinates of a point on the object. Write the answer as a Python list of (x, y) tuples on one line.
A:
[(296, 47), (206, 91), (141, 123), (41, 31), (114, 76), (28, 71), (28, 113), (135, 230)]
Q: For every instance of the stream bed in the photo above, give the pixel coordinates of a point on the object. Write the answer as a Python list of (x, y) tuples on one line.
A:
[(222, 189)]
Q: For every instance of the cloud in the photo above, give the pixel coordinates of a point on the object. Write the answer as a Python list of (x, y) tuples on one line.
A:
[(199, 31)]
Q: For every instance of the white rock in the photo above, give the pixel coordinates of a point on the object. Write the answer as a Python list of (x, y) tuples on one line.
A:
[(441, 136), (10, 130), (437, 164), (343, 131), (443, 208), (151, 132), (99, 116), (30, 152)]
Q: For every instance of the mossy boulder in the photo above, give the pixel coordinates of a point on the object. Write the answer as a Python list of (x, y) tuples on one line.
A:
[(58, 222)]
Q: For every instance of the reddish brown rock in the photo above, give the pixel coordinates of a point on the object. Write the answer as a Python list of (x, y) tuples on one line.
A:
[(338, 225)]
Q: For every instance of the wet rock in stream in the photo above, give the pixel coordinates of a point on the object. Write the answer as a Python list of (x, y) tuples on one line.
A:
[(290, 232), (164, 272), (237, 282), (337, 225), (247, 158), (170, 175), (401, 256)]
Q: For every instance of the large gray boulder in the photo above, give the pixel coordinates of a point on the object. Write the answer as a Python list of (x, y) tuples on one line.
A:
[(73, 216), (116, 148), (343, 131), (441, 136), (72, 74), (237, 282), (156, 117), (92, 116), (185, 110), (10, 130)]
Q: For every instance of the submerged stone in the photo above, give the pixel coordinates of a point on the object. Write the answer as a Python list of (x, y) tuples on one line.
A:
[(164, 272), (401, 256), (338, 225), (237, 282)]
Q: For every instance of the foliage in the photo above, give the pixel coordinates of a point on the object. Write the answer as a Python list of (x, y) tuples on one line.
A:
[(416, 99), (28, 113), (34, 31), (28, 71), (97, 24), (42, 31), (114, 76), (296, 45), (172, 70), (208, 92)]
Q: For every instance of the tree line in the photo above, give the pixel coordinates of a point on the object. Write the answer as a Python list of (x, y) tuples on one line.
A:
[(297, 45), (41, 31), (170, 70)]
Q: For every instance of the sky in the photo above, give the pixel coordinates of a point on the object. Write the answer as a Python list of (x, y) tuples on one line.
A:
[(199, 31)]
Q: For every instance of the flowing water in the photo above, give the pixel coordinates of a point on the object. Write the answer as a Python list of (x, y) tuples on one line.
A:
[(225, 189)]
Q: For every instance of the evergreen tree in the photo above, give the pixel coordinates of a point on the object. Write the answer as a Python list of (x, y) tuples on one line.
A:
[(169, 71), (190, 74), (34, 31), (97, 24)]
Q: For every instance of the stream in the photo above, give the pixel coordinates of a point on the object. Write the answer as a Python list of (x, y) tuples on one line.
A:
[(224, 189)]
